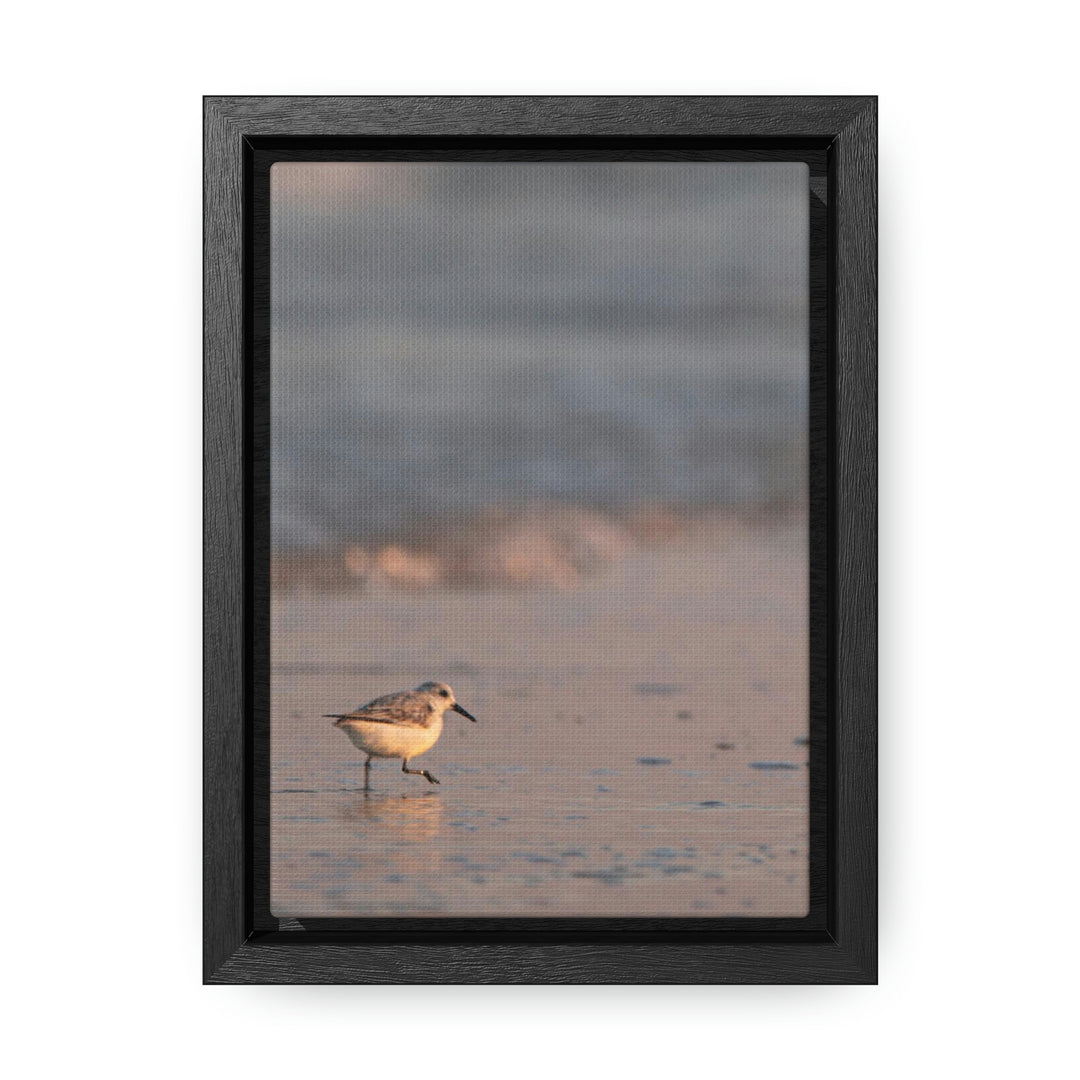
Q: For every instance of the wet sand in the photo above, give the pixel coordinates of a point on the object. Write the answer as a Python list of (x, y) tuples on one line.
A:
[(641, 745)]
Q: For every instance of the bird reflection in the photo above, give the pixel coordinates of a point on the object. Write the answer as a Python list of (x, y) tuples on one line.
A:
[(400, 817)]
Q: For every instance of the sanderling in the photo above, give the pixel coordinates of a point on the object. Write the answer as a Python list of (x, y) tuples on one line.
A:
[(400, 725)]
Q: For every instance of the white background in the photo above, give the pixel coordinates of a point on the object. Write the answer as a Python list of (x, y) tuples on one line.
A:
[(101, 547)]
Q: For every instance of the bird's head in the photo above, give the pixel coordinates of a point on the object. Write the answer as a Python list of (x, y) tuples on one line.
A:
[(444, 696)]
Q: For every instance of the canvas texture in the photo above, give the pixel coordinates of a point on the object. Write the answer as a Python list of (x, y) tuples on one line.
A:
[(539, 433)]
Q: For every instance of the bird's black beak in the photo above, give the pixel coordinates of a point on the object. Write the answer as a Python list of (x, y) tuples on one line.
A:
[(468, 715)]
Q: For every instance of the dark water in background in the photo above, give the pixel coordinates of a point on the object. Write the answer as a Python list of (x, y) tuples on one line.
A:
[(449, 337)]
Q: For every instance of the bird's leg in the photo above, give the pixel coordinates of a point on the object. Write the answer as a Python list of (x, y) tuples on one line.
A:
[(367, 773), (417, 772)]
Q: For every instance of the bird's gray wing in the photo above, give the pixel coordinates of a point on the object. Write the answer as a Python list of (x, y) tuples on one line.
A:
[(387, 701), (405, 710)]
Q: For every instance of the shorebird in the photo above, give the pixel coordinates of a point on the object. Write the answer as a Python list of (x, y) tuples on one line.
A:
[(400, 725)]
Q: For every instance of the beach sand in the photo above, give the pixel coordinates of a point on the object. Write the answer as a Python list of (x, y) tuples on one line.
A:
[(640, 751)]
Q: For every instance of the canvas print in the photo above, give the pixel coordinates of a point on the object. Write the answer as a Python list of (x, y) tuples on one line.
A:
[(539, 539)]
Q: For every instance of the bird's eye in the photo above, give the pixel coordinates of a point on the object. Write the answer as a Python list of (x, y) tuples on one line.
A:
[(444, 693)]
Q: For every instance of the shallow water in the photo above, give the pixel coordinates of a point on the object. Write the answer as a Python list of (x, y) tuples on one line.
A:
[(640, 750), (506, 839)]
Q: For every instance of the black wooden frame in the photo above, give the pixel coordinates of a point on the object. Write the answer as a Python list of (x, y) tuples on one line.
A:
[(838, 943)]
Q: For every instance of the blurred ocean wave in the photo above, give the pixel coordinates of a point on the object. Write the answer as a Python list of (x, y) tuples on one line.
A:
[(363, 469), (552, 546)]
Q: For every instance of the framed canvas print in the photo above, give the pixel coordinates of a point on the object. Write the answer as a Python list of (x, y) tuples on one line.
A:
[(540, 540)]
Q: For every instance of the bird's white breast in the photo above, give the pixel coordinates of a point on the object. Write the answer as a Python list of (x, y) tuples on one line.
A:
[(393, 740)]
